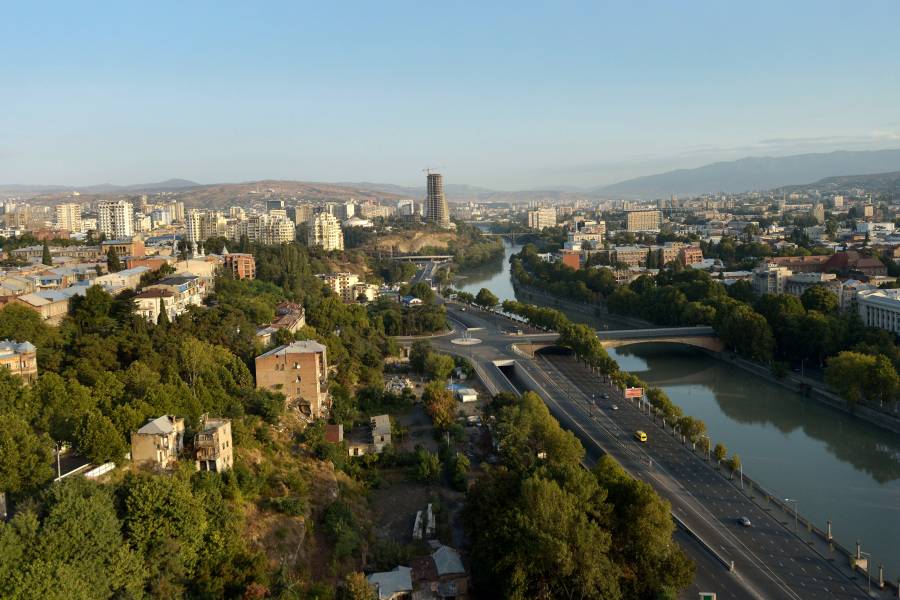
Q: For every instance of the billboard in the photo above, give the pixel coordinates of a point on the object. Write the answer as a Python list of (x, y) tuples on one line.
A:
[(634, 392)]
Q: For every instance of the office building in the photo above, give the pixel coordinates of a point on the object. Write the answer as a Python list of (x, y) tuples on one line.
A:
[(115, 219), (642, 220), (325, 231), (298, 370), (541, 218), (436, 210), (68, 217)]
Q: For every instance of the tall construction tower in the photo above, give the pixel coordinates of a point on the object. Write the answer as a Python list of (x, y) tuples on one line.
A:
[(436, 210)]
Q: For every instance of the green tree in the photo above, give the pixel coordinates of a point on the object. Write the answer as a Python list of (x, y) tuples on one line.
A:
[(113, 263), (428, 466), (439, 404), (99, 440), (486, 298), (418, 354), (25, 457), (439, 366), (819, 298), (46, 258), (720, 452)]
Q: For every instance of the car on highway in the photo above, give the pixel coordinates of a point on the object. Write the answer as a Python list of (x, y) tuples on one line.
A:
[(744, 522), (640, 436), (605, 396), (615, 407)]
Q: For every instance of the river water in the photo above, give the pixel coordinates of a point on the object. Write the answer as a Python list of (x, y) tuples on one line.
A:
[(837, 467)]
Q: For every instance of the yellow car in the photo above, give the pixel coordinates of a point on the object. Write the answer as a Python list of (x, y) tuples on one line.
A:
[(640, 436)]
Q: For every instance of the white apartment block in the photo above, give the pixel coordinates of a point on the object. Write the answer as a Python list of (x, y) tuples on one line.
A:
[(266, 229), (68, 217), (541, 218), (325, 231), (116, 219), (349, 287), (880, 308)]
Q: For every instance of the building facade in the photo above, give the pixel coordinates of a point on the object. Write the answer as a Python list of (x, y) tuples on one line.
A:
[(68, 217), (325, 231), (20, 358), (158, 443), (770, 279), (436, 209), (880, 308), (542, 218), (212, 445), (298, 370), (240, 265), (115, 219), (642, 220)]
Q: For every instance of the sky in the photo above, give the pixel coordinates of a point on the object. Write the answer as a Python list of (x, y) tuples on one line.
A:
[(504, 95)]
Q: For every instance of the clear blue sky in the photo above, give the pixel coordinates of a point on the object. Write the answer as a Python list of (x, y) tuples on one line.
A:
[(506, 95)]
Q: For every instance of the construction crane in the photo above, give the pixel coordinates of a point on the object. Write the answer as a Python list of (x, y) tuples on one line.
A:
[(430, 169)]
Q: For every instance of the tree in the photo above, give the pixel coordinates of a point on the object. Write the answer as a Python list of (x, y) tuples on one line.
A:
[(418, 354), (428, 466), (856, 377), (25, 457), (439, 366), (720, 452), (98, 439), (163, 319), (439, 403), (357, 587), (820, 299), (113, 264), (734, 464), (46, 258), (486, 298), (423, 292)]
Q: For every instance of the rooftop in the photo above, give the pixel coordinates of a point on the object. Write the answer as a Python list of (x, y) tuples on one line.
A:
[(302, 347), (163, 425)]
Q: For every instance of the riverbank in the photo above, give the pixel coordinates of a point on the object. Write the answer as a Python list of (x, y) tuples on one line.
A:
[(596, 315)]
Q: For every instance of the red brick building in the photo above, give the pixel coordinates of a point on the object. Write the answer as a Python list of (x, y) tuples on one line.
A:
[(241, 266)]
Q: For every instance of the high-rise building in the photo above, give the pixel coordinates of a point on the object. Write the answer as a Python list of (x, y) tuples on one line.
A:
[(818, 213), (115, 219), (325, 231), (642, 220), (267, 229), (204, 224), (68, 216), (436, 210), (541, 218)]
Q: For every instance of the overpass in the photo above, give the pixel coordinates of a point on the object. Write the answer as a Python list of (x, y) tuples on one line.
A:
[(424, 257)]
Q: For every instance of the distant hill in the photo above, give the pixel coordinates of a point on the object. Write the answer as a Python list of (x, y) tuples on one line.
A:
[(169, 185), (755, 173), (876, 183)]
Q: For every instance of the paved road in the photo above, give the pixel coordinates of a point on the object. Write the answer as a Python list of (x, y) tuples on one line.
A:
[(771, 561)]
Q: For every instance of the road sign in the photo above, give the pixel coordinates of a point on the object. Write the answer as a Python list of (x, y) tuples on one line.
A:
[(707, 596), (636, 393)]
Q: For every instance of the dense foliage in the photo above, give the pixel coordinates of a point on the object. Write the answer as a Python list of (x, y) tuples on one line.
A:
[(543, 527)]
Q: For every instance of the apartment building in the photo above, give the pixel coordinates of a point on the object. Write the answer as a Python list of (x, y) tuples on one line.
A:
[(542, 218), (643, 220), (325, 231), (158, 443), (204, 224), (115, 219), (633, 256), (267, 229), (349, 287), (770, 278), (20, 358), (187, 290), (68, 217), (298, 370), (241, 266), (213, 449)]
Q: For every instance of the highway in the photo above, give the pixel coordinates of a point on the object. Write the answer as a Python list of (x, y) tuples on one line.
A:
[(770, 560)]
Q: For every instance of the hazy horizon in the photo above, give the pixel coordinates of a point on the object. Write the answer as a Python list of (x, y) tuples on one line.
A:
[(532, 98)]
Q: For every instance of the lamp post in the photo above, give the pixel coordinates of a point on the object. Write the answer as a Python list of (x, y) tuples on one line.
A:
[(794, 502), (868, 558)]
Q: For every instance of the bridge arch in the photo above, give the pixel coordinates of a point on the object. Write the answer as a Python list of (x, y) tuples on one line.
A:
[(711, 343)]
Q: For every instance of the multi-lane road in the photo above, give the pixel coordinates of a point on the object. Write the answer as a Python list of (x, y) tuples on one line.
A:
[(770, 559)]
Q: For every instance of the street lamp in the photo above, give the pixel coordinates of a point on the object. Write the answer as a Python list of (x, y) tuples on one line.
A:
[(794, 502)]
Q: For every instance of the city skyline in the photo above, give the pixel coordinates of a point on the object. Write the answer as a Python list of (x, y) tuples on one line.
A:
[(580, 95)]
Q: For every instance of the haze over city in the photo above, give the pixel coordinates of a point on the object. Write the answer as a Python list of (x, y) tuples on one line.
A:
[(506, 95)]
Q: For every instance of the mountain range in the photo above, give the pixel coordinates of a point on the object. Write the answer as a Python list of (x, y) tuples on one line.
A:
[(755, 173), (826, 170)]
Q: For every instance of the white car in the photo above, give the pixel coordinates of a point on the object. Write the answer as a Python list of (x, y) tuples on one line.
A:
[(615, 407), (744, 521)]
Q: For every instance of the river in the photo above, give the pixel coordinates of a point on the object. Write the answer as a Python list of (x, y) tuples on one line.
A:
[(837, 468)]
